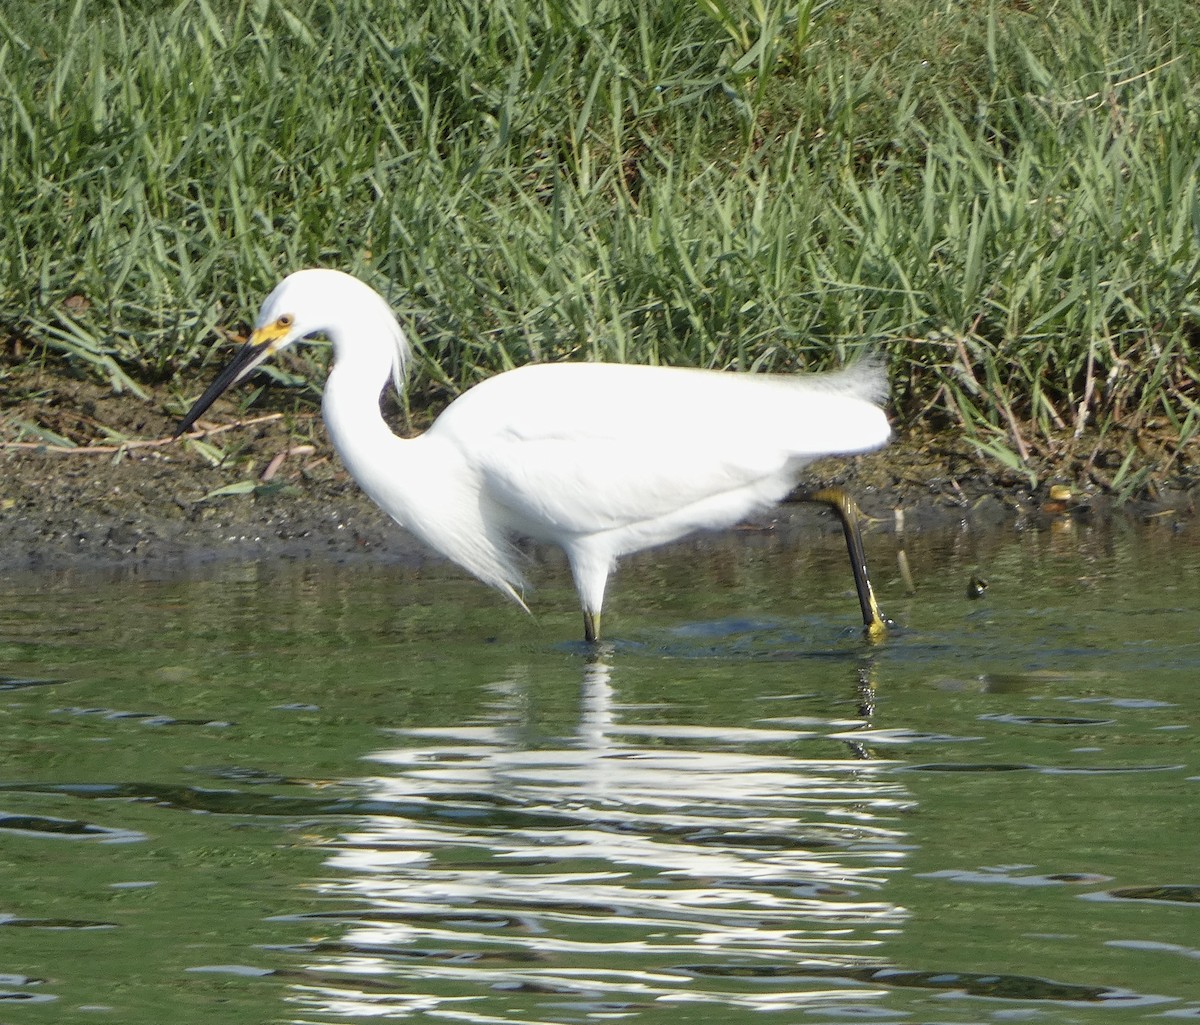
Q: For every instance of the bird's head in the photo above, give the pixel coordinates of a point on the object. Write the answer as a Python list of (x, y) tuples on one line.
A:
[(306, 302)]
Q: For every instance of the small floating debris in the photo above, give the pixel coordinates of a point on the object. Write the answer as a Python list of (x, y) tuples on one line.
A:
[(1059, 500)]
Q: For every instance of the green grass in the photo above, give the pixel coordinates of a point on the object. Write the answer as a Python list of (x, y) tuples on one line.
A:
[(1001, 196)]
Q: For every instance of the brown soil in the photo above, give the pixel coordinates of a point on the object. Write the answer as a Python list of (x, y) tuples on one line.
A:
[(141, 498)]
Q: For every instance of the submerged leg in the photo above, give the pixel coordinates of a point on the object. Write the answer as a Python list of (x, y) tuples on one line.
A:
[(591, 562), (847, 511), (591, 627)]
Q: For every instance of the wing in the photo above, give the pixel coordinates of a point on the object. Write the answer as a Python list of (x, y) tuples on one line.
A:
[(582, 486), (581, 448)]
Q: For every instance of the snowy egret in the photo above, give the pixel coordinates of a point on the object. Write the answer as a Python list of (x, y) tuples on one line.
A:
[(601, 459)]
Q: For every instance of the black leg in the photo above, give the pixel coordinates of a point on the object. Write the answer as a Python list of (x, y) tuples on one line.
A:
[(847, 511), (591, 627)]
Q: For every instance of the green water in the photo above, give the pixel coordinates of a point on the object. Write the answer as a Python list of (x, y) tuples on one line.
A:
[(307, 793)]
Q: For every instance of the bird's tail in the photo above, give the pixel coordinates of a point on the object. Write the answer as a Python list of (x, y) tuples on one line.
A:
[(866, 380)]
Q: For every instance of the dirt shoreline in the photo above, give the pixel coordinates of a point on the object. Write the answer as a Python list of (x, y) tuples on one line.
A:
[(152, 504)]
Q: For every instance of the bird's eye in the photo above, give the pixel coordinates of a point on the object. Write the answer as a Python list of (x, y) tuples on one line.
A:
[(286, 320)]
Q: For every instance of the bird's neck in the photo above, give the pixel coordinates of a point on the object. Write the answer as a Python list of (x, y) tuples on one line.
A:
[(362, 367)]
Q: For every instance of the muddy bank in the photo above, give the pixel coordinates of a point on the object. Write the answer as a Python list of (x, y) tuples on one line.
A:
[(158, 501)]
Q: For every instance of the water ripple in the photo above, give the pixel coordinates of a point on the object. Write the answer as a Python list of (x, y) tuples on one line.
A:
[(65, 829), (628, 851)]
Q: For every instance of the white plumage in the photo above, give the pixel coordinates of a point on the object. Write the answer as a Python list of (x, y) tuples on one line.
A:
[(600, 459)]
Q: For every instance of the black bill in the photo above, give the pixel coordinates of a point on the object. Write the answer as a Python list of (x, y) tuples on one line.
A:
[(243, 363)]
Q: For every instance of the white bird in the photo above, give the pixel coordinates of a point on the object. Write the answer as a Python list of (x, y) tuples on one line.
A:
[(601, 459)]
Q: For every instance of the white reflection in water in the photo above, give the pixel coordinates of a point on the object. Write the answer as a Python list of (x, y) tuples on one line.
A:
[(604, 867)]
